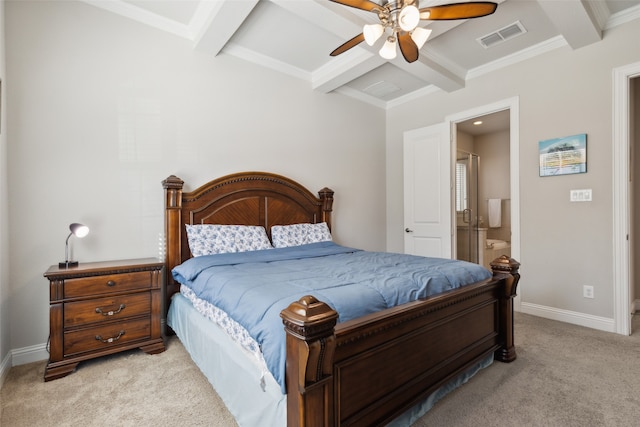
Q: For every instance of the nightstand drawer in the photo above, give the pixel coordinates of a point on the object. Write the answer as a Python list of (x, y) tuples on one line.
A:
[(105, 309), (106, 336), (97, 285)]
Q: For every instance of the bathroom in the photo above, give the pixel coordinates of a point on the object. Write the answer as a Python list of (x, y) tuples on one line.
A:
[(483, 204)]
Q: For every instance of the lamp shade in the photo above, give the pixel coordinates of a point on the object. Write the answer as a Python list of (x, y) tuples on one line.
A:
[(388, 50), (409, 18), (79, 230), (372, 33), (420, 35)]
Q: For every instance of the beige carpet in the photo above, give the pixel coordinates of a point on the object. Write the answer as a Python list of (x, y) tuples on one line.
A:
[(129, 389), (565, 375)]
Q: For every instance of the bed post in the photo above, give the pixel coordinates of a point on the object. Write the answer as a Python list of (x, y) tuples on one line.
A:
[(309, 325), (326, 195), (500, 266), (172, 226)]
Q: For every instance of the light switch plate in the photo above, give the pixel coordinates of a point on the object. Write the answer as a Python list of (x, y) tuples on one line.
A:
[(580, 195)]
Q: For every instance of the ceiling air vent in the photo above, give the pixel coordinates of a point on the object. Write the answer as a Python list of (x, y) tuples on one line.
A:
[(381, 89), (503, 34)]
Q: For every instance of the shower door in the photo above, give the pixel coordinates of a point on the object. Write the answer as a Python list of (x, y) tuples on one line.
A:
[(467, 247)]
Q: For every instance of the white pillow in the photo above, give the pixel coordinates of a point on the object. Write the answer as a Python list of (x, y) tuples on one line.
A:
[(299, 234), (209, 239)]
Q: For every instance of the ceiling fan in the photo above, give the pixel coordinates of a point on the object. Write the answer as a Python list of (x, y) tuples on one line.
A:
[(400, 19)]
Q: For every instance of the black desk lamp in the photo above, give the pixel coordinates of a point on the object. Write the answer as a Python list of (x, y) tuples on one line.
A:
[(79, 231)]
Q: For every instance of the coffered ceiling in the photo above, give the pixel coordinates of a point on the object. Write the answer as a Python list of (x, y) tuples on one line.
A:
[(295, 37)]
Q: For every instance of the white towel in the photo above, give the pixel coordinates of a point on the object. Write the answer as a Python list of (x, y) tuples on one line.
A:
[(495, 213)]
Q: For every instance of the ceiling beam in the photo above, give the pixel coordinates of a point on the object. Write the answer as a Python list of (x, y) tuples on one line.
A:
[(217, 21), (575, 20), (345, 68), (434, 70)]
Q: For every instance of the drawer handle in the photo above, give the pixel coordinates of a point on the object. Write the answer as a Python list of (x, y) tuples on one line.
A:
[(111, 283), (110, 340), (110, 312)]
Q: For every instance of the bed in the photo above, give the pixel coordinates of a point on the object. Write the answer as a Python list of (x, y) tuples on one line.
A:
[(385, 366)]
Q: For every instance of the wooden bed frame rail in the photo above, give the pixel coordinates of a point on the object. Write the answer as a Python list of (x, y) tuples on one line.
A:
[(369, 370)]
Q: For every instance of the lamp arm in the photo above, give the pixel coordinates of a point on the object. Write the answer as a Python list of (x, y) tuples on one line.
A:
[(66, 247)]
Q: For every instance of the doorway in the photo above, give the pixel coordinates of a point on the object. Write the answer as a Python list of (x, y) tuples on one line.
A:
[(507, 161), (624, 236), (483, 174)]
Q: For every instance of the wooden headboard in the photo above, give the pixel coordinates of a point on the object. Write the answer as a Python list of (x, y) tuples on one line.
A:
[(246, 198)]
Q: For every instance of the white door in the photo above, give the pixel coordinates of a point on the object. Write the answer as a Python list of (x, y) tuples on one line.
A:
[(427, 191)]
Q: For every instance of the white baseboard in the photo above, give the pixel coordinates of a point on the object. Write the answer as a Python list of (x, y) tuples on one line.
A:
[(4, 368), (22, 356), (573, 317), (34, 353)]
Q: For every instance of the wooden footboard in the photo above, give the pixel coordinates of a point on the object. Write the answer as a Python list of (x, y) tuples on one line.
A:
[(370, 370)]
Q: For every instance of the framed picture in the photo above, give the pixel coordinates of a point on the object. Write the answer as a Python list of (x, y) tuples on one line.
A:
[(563, 156)]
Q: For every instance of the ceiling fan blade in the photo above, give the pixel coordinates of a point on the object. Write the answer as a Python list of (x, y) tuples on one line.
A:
[(408, 47), (348, 45), (367, 5), (458, 11)]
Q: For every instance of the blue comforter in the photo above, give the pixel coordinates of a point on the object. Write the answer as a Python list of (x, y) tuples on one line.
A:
[(254, 287)]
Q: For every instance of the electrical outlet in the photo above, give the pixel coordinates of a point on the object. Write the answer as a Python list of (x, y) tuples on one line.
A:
[(587, 291)]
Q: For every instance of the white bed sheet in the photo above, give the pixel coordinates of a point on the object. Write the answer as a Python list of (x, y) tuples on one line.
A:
[(233, 371)]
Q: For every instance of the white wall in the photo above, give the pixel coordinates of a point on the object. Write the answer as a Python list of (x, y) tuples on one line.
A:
[(565, 92), (4, 237), (493, 149), (102, 109)]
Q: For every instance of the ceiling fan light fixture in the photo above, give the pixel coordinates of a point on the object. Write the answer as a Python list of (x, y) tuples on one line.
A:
[(388, 50), (409, 17), (420, 36), (372, 33), (401, 18)]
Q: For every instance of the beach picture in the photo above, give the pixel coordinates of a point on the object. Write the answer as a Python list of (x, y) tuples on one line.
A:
[(562, 156)]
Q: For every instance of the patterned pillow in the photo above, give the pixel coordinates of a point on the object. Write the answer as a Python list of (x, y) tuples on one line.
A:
[(209, 239), (299, 234)]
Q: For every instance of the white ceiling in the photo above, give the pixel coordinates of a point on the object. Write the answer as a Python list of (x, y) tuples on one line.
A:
[(296, 36), (490, 123)]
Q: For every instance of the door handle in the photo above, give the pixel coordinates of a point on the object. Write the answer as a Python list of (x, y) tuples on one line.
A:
[(408, 230), (464, 216)]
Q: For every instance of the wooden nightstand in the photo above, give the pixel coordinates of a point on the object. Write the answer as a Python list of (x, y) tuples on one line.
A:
[(101, 308)]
